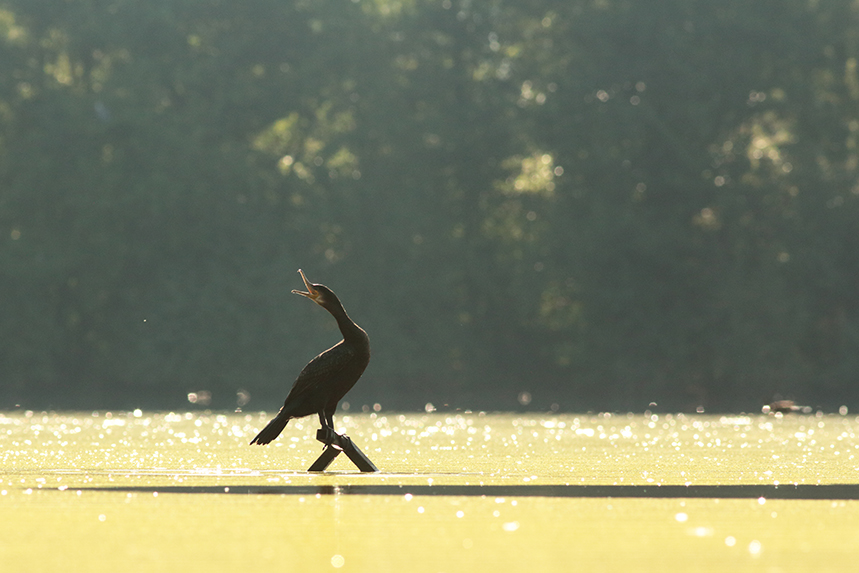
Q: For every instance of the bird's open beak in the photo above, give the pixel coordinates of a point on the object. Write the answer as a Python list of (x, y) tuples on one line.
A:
[(311, 293)]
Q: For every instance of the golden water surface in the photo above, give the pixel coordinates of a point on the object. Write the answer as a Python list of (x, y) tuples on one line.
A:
[(143, 491)]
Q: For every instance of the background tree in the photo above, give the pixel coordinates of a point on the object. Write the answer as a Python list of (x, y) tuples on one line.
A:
[(602, 204)]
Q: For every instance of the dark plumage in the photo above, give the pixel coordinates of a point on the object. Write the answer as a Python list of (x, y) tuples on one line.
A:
[(328, 377)]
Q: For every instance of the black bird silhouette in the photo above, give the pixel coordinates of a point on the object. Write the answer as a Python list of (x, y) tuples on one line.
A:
[(328, 377)]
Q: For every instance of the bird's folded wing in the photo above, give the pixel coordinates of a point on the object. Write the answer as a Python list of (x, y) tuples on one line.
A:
[(321, 369)]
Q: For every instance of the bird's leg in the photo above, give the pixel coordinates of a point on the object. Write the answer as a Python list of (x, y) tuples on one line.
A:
[(326, 435), (329, 421), (329, 417)]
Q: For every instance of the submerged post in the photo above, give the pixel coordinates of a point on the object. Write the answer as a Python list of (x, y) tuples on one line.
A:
[(336, 443)]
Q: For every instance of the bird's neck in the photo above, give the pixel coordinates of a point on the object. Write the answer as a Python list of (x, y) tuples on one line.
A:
[(351, 332)]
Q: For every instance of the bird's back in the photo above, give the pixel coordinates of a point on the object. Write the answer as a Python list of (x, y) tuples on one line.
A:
[(326, 379)]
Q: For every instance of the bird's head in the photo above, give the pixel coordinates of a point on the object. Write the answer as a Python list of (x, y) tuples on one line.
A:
[(320, 294)]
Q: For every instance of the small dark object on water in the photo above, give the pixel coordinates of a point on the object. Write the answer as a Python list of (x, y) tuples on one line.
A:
[(325, 380), (784, 407)]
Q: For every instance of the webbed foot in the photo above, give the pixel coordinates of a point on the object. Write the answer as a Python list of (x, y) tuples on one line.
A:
[(329, 437)]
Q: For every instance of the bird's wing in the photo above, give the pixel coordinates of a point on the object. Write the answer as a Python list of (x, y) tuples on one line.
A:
[(320, 370)]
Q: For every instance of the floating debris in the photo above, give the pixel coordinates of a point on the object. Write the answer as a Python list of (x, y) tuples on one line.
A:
[(785, 407)]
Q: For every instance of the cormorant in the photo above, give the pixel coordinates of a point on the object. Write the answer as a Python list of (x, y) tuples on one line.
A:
[(326, 378)]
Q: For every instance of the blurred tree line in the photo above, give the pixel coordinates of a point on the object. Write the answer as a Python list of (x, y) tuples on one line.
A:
[(588, 204)]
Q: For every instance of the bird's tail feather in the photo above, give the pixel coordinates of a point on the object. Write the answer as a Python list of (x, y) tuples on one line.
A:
[(271, 431)]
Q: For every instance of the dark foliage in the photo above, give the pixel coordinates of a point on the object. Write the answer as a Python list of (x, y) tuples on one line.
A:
[(603, 204)]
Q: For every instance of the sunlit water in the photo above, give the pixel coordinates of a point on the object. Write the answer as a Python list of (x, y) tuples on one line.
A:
[(126, 490)]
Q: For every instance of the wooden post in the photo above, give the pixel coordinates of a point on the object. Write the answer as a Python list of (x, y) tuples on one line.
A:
[(335, 444)]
